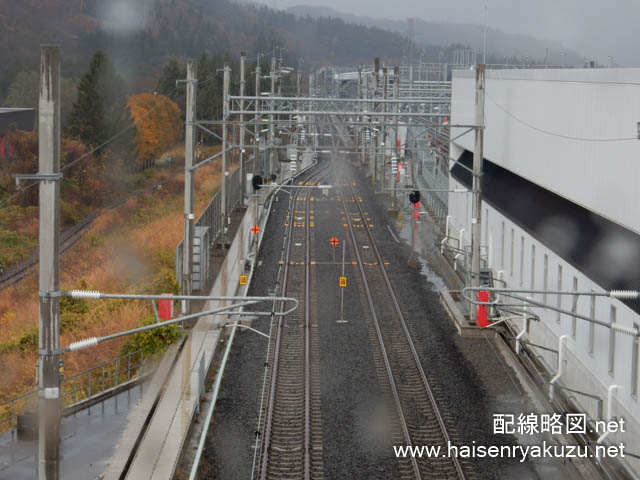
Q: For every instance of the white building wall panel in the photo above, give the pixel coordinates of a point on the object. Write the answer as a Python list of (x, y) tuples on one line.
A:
[(529, 111), (587, 368)]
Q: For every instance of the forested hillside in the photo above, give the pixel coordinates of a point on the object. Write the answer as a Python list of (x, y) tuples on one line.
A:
[(141, 35), (502, 47)]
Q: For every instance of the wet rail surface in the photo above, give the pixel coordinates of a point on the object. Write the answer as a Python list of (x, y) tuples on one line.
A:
[(419, 420), (291, 440)]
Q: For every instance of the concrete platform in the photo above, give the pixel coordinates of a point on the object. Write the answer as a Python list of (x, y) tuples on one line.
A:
[(140, 415), (161, 445), (87, 440)]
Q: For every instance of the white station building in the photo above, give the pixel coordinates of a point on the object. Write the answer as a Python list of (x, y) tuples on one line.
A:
[(561, 211)]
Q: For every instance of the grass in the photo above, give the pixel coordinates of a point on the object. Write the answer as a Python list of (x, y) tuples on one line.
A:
[(19, 225), (18, 234), (128, 249)]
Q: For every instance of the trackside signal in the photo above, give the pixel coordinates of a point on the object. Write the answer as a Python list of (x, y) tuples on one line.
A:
[(256, 182), (414, 197)]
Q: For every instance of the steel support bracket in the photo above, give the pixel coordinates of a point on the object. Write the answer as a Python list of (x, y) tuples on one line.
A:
[(40, 177), (49, 353), (55, 294)]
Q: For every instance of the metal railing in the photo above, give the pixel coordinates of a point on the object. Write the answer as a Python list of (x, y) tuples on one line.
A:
[(77, 388), (212, 215), (460, 258)]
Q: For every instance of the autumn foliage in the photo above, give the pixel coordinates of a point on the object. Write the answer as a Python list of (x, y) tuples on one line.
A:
[(84, 185), (159, 124)]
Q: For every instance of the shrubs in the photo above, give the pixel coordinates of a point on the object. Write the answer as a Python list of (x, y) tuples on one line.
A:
[(152, 342), (72, 312), (165, 282), (14, 247), (28, 341)]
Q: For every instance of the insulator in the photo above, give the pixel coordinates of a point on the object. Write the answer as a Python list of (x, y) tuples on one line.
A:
[(624, 329), (82, 344), (624, 294), (93, 294)]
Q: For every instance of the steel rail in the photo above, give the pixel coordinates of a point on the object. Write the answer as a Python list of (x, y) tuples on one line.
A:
[(258, 444), (405, 329), (266, 438), (69, 238), (307, 345), (385, 356)]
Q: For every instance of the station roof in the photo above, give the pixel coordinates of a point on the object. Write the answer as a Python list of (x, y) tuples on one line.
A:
[(22, 118)]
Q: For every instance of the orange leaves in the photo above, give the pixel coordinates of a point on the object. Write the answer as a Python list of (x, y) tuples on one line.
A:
[(157, 119)]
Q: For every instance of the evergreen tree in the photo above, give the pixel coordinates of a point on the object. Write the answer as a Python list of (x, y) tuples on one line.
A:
[(101, 111), (172, 72), (209, 98), (208, 91), (86, 120)]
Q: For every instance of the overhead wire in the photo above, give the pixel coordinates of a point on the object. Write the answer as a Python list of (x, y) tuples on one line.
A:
[(5, 202), (555, 134)]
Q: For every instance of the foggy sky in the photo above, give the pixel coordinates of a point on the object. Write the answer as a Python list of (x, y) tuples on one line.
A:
[(595, 28)]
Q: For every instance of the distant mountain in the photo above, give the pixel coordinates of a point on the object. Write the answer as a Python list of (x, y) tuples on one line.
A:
[(499, 44), (140, 35)]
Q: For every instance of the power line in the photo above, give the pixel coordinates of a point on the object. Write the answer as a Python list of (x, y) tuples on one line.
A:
[(555, 134), (495, 76), (84, 156)]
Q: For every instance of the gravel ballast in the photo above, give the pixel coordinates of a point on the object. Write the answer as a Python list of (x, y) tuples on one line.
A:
[(357, 443)]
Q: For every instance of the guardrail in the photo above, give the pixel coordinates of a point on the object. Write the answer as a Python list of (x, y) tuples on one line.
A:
[(77, 388)]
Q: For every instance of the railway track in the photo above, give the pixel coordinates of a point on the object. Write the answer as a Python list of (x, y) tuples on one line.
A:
[(291, 444), (419, 420), (68, 238)]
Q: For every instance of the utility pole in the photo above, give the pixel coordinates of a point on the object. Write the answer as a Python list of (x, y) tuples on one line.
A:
[(359, 136), (49, 283), (313, 135), (225, 118), (189, 186), (385, 80), (298, 77), (376, 146), (484, 38), (396, 95), (256, 143), (272, 74), (279, 69), (366, 154), (478, 156), (299, 120), (243, 58), (411, 80)]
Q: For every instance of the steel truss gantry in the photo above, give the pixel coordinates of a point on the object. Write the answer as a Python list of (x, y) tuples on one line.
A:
[(408, 111)]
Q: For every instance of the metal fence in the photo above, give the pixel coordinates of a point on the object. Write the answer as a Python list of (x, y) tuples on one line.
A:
[(431, 171), (79, 387), (212, 215)]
